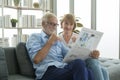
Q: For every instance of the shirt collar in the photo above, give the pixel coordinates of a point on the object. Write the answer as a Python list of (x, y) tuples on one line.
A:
[(44, 35)]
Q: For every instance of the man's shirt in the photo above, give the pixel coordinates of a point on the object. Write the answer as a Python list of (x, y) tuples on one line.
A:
[(54, 57)]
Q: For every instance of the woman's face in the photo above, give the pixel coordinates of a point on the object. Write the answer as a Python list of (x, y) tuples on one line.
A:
[(67, 26)]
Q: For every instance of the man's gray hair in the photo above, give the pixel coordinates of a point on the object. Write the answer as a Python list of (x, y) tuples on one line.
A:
[(47, 16)]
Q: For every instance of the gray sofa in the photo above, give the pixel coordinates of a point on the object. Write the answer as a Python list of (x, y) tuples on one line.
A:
[(16, 65)]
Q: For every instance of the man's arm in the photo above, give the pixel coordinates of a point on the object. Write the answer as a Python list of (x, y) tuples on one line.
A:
[(44, 51)]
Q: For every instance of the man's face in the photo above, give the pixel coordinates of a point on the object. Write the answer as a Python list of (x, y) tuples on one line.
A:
[(51, 26)]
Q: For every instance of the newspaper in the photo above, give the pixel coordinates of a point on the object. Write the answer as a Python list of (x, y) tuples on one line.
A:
[(86, 42)]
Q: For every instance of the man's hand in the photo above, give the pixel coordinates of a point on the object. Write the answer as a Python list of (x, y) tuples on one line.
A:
[(95, 54), (53, 38)]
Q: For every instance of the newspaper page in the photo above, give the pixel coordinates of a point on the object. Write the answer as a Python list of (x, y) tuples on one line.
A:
[(86, 42)]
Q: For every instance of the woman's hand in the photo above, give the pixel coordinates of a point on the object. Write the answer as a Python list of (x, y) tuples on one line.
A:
[(95, 54), (74, 37)]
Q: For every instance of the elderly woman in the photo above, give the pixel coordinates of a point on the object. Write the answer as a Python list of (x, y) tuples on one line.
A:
[(68, 24)]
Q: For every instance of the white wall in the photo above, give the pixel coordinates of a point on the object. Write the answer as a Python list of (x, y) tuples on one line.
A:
[(108, 22)]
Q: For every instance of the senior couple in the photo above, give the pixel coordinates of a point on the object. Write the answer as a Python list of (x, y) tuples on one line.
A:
[(47, 51)]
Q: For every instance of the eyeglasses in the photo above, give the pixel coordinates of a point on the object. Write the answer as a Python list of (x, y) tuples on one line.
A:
[(52, 24)]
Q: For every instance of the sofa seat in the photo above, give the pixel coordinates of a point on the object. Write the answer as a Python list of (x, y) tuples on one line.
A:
[(19, 77)]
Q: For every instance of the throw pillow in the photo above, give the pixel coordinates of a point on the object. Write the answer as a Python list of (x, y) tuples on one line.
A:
[(26, 67), (3, 66)]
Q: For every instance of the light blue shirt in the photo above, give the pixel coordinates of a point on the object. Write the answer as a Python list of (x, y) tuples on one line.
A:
[(55, 55)]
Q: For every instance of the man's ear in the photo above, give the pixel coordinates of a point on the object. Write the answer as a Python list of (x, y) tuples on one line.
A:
[(43, 23)]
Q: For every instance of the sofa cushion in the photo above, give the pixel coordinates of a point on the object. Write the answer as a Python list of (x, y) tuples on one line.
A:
[(113, 66), (19, 77), (3, 66), (24, 62)]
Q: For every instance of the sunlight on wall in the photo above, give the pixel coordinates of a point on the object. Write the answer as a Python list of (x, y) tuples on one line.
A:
[(83, 10), (108, 23), (61, 10)]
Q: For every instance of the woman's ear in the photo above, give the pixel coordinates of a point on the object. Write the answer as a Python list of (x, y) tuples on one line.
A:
[(61, 25)]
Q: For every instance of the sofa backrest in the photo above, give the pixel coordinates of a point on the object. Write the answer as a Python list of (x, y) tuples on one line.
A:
[(25, 65)]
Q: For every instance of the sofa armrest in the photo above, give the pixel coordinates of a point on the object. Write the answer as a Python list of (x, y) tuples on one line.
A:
[(3, 65), (11, 60)]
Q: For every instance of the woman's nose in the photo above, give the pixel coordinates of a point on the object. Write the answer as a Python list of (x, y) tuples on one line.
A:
[(69, 26)]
